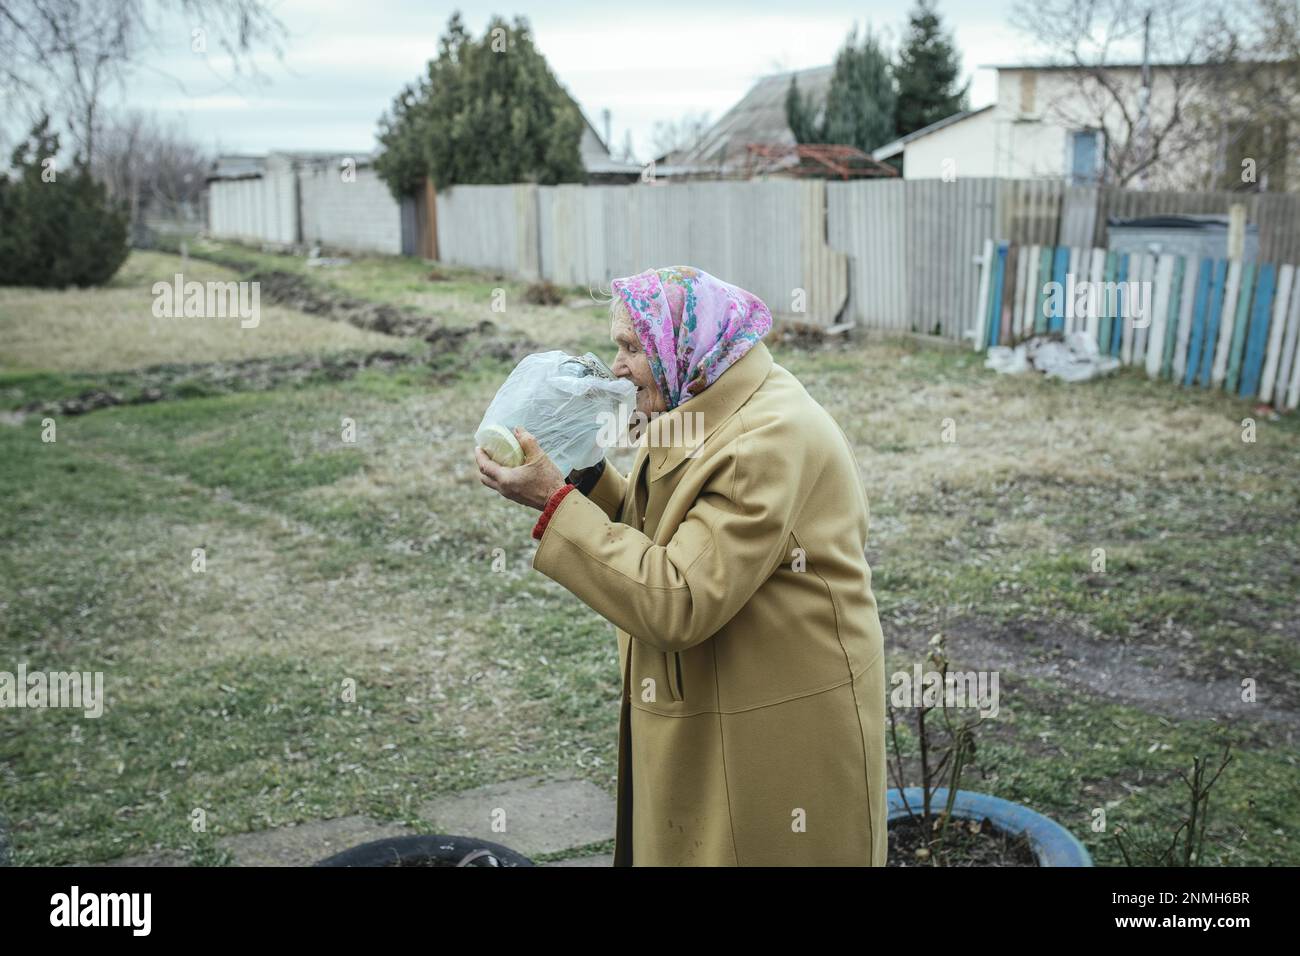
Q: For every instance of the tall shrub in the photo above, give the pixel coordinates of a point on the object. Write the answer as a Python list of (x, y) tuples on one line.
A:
[(58, 227)]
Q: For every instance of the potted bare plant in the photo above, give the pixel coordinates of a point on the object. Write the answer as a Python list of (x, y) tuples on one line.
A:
[(971, 829)]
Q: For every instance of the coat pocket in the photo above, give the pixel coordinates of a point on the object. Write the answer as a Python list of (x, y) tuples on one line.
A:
[(673, 664)]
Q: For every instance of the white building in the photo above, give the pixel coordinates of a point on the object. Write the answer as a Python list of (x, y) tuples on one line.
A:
[(1058, 122)]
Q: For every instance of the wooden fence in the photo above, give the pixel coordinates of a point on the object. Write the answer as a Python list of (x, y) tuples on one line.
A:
[(1215, 323)]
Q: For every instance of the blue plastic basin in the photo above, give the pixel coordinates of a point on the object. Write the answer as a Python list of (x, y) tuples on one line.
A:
[(1052, 844)]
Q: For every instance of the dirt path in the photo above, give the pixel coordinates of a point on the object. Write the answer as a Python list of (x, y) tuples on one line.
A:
[(1145, 676)]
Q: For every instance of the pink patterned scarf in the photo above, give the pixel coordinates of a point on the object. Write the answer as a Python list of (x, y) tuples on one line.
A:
[(692, 325)]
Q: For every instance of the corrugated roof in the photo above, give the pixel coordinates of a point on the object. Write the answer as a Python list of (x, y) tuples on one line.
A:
[(759, 117), (1110, 66), (243, 166), (237, 167), (893, 149)]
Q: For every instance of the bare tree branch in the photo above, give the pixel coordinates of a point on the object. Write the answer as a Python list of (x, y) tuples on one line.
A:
[(1098, 46), (61, 56)]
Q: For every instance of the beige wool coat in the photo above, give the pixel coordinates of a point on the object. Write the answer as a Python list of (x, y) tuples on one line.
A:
[(752, 726)]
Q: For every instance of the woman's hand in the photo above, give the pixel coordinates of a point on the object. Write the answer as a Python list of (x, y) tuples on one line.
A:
[(531, 483)]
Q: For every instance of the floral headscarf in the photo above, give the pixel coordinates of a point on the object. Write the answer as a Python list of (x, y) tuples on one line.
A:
[(692, 326)]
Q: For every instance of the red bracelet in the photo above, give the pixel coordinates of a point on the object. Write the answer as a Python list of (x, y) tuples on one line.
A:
[(552, 503)]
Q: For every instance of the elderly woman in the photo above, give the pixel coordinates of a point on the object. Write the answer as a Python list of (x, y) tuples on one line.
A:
[(752, 724)]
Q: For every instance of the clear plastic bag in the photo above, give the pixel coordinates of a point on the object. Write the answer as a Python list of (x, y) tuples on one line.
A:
[(563, 400)]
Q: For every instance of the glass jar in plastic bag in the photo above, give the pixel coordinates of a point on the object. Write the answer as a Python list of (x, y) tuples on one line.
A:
[(564, 401)]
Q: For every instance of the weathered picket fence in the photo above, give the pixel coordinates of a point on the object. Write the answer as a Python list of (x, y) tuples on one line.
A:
[(1213, 323)]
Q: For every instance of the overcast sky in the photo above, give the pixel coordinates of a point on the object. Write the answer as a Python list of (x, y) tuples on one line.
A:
[(345, 60)]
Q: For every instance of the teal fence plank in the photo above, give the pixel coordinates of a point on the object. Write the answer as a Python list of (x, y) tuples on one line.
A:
[(1203, 279), (995, 295), (1117, 325), (1258, 334), (1103, 326), (1212, 320), (1060, 266)]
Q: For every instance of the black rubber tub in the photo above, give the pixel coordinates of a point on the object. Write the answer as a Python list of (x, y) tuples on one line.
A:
[(428, 851)]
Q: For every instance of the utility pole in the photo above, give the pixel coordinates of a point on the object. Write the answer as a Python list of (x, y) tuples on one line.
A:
[(1144, 104)]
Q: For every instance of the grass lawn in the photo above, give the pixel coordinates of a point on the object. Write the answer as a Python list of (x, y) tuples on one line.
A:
[(456, 295), (113, 328), (330, 562)]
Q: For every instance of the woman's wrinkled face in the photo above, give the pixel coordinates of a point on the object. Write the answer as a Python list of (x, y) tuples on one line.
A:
[(632, 363)]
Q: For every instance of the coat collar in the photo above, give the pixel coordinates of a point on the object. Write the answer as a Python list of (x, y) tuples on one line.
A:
[(671, 436)]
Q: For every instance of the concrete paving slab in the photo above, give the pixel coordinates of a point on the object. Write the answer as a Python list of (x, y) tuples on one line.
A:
[(157, 858), (539, 815), (307, 843), (600, 859)]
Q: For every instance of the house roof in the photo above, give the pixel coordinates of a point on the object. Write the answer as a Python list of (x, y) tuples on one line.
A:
[(1045, 67), (890, 150), (313, 155), (759, 117), (594, 151), (236, 167), (246, 166)]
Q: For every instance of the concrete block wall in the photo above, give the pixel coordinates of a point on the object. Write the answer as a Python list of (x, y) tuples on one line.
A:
[(359, 215), (307, 202)]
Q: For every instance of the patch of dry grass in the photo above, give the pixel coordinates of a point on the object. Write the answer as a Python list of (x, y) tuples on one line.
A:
[(114, 328), (459, 296), (898, 407)]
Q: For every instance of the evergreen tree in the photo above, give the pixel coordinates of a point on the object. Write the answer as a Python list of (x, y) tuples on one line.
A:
[(860, 102), (487, 111), (859, 109), (58, 227), (801, 115), (927, 72)]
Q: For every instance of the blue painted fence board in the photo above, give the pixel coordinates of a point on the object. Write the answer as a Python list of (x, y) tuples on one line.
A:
[(995, 295), (1059, 269), (1103, 327), (1198, 320), (1212, 320), (1258, 334), (1117, 324)]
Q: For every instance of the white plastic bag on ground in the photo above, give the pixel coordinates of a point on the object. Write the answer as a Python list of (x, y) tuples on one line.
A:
[(1008, 361), (563, 400), (1076, 358)]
